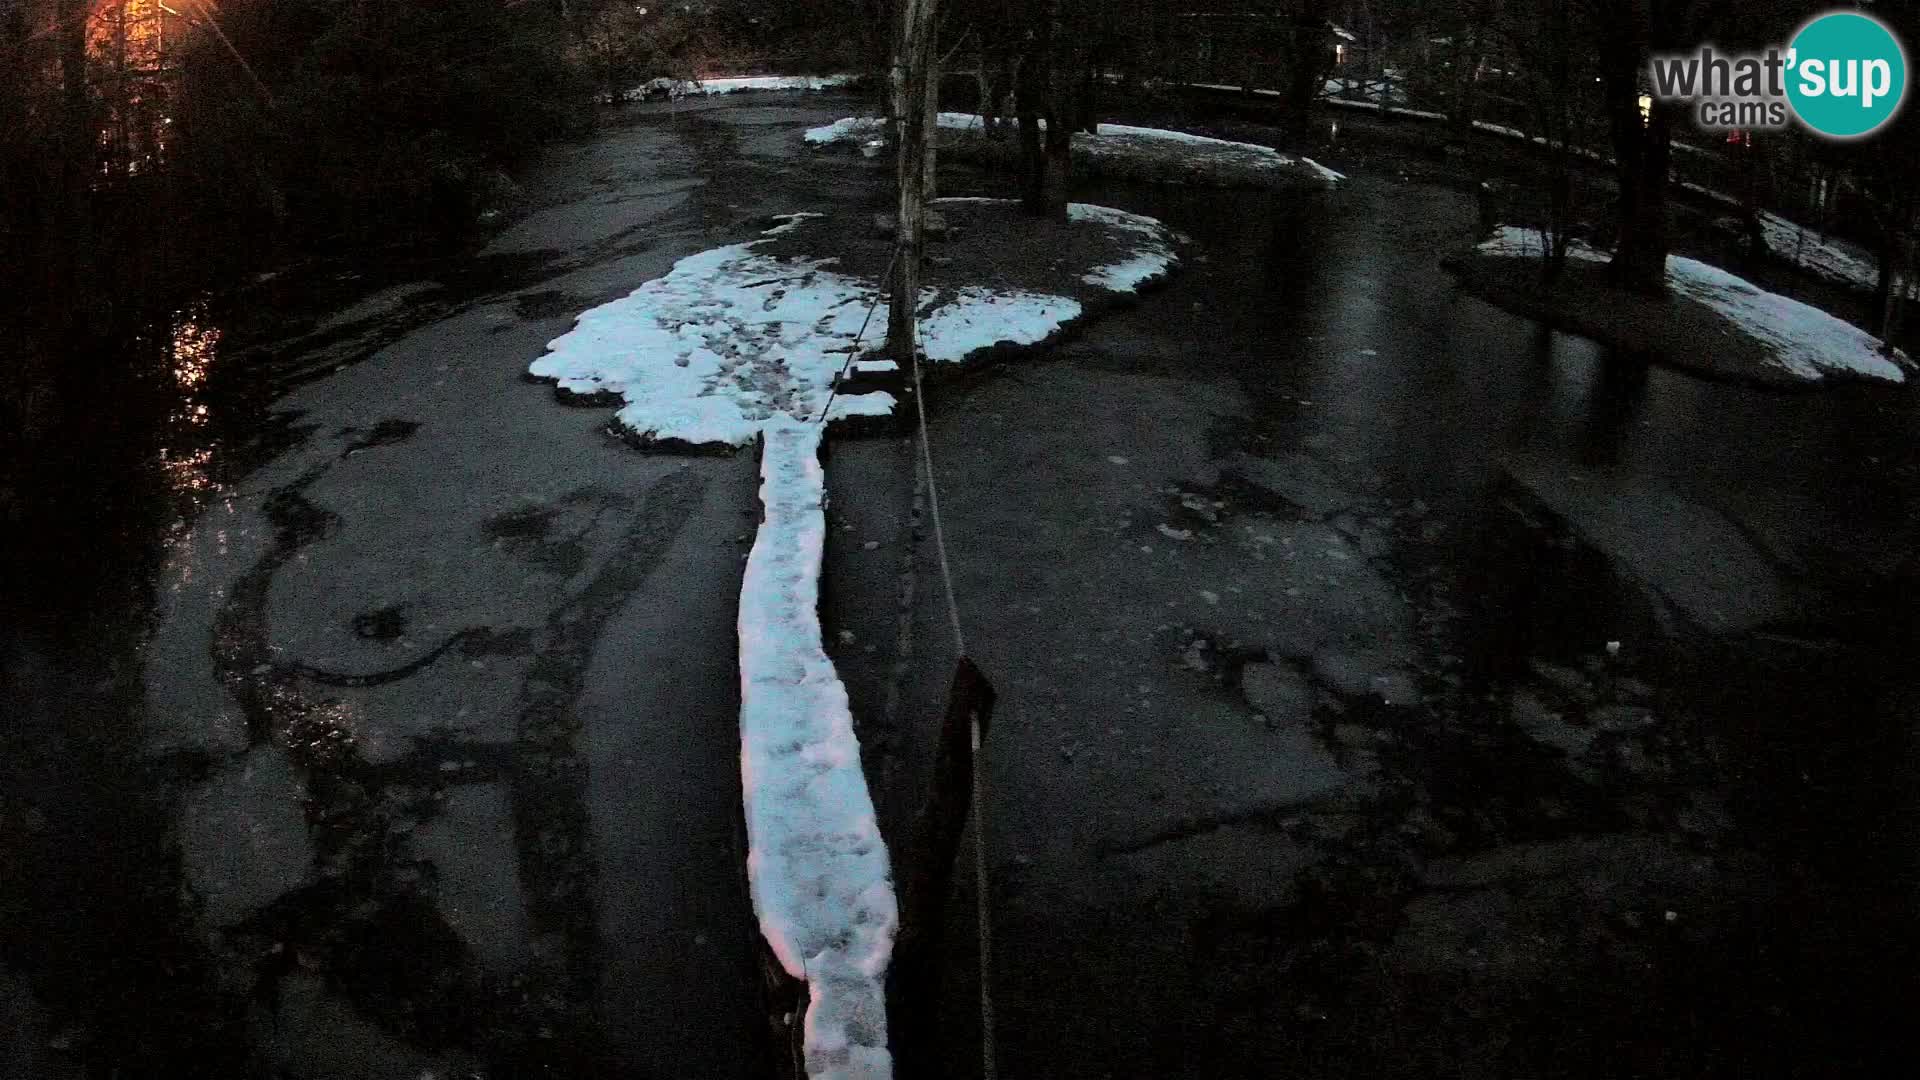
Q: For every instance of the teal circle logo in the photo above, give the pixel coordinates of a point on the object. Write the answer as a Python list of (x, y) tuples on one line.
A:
[(1846, 74)]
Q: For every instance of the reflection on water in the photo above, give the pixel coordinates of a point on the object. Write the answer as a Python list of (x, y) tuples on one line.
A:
[(187, 455), (194, 344)]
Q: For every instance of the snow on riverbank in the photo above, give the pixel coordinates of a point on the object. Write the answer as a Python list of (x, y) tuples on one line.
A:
[(679, 88), (1152, 257), (1840, 261), (816, 863), (1110, 143), (1807, 342)]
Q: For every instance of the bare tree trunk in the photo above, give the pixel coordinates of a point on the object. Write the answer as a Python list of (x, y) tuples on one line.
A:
[(1306, 57), (986, 76), (1058, 169), (1640, 256), (929, 177), (913, 93), (1029, 102), (1065, 58), (1556, 127), (1642, 151)]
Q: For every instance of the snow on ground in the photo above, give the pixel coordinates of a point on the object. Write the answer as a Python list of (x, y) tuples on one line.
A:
[(1373, 106), (1118, 140), (981, 318), (732, 338), (1833, 258), (1326, 174), (816, 863), (726, 341), (1809, 343)]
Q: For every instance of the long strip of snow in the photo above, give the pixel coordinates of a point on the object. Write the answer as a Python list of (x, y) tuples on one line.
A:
[(1806, 341), (1118, 140), (816, 864), (961, 121)]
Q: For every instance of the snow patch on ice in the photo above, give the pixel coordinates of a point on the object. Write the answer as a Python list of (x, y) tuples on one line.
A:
[(1152, 257), (981, 318), (817, 866), (1806, 341), (733, 344)]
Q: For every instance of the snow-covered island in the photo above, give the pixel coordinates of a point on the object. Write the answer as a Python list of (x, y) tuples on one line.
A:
[(1712, 321)]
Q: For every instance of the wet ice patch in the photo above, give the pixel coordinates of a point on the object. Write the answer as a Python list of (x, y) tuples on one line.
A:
[(243, 836)]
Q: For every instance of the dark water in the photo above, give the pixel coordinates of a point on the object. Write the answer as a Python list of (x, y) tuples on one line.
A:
[(1803, 723)]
